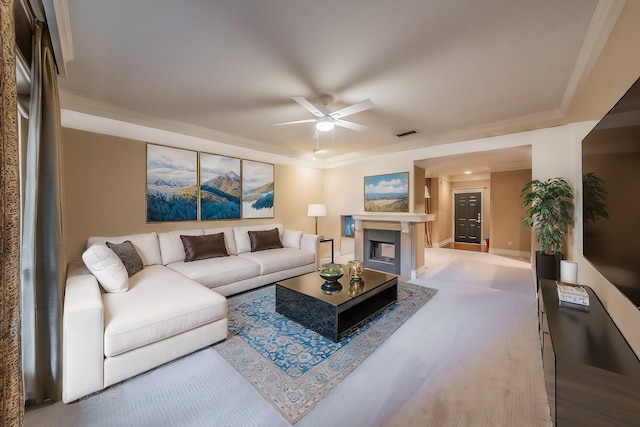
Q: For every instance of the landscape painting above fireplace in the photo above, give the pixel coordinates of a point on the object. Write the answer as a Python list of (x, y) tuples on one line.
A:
[(387, 193)]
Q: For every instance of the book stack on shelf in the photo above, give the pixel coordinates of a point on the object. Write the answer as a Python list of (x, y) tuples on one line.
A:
[(573, 296)]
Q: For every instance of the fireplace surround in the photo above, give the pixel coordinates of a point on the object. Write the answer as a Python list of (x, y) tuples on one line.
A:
[(410, 229)]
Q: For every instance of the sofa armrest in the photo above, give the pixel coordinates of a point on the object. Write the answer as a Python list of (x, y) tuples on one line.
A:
[(311, 243), (82, 334)]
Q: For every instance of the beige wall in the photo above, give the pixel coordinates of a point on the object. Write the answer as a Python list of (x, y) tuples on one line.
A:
[(443, 225), (618, 66), (344, 190), (104, 192), (507, 212)]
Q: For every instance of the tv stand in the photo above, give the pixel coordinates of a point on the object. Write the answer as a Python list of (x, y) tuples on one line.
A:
[(591, 373)]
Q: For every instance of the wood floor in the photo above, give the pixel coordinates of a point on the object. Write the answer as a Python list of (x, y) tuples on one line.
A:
[(474, 247)]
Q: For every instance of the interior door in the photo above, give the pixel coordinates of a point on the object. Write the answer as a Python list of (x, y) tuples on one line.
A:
[(468, 212)]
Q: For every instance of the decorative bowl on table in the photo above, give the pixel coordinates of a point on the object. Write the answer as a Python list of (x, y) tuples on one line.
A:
[(331, 272)]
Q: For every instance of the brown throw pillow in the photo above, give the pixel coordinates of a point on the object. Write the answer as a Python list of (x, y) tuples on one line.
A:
[(203, 247), (263, 240)]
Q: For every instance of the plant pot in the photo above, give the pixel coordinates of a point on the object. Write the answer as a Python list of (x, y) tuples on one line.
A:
[(547, 266)]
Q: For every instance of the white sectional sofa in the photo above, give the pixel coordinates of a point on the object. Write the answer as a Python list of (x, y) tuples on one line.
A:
[(170, 308)]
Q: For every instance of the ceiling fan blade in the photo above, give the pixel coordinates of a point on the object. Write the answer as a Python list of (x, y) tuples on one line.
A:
[(309, 106), (350, 125), (295, 122), (352, 109)]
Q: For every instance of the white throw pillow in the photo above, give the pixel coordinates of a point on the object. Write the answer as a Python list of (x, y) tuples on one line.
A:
[(171, 247), (103, 263), (292, 238), (146, 245)]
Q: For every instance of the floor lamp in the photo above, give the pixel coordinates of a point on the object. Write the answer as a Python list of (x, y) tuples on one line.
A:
[(316, 211)]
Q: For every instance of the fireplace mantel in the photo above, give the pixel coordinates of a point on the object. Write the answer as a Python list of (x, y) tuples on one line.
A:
[(405, 219), (411, 240)]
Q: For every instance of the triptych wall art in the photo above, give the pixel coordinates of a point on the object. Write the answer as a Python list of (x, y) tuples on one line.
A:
[(185, 185)]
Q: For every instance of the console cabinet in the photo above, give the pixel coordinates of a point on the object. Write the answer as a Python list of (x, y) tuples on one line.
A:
[(592, 375)]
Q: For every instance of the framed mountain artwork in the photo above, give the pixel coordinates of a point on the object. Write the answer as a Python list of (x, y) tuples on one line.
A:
[(220, 191), (172, 184), (257, 189)]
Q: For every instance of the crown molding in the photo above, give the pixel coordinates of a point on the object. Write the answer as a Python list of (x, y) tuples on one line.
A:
[(604, 20)]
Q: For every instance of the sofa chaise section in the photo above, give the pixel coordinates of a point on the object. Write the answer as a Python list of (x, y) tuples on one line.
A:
[(169, 308), (109, 337)]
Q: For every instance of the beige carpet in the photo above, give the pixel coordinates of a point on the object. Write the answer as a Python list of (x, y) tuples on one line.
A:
[(470, 357)]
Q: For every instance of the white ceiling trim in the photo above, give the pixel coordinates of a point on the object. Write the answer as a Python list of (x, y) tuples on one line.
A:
[(550, 118), (83, 105), (126, 129), (61, 11), (57, 19), (604, 20)]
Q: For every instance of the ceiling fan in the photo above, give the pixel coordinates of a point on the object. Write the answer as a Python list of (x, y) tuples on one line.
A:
[(326, 121)]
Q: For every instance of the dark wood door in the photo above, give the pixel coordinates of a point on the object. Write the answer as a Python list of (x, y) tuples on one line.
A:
[(468, 211)]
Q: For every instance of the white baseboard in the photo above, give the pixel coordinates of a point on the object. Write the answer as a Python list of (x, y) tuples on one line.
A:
[(443, 243)]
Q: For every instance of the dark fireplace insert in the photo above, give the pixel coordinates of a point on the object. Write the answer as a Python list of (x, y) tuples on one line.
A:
[(382, 250)]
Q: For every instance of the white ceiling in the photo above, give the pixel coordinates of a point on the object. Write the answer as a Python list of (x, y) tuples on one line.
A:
[(454, 70)]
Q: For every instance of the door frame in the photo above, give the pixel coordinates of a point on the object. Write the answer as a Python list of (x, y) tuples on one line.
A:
[(455, 191)]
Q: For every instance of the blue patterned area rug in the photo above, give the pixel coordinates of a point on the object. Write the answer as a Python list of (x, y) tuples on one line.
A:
[(294, 367)]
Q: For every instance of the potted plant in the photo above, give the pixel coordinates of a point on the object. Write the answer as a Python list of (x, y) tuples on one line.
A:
[(549, 213)]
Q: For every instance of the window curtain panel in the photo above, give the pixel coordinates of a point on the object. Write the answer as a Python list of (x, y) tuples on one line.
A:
[(11, 391), (42, 250)]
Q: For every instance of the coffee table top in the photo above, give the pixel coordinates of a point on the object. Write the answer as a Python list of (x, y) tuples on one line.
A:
[(310, 284)]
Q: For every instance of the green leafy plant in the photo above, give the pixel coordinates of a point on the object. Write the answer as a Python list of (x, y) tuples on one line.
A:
[(549, 213), (594, 195), (331, 270)]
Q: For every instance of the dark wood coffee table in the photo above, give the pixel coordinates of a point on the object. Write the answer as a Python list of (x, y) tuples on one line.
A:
[(335, 314)]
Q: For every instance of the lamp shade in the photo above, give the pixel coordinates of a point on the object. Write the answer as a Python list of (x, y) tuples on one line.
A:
[(317, 210)]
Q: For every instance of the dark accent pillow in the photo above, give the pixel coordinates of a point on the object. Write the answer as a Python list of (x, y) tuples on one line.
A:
[(203, 247), (128, 255), (263, 240)]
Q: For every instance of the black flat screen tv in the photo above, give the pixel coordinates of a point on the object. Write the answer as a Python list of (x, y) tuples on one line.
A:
[(611, 195)]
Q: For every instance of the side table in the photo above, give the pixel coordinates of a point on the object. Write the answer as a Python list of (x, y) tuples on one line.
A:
[(323, 240)]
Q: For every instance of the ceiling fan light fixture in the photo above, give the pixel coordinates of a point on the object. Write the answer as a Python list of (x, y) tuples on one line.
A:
[(324, 124)]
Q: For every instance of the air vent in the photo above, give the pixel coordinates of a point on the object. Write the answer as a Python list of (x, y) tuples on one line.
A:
[(403, 133)]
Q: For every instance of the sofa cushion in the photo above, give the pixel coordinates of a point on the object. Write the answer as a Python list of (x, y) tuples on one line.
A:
[(128, 255), (108, 268), (241, 235), (279, 259), (292, 238), (263, 240), (228, 238), (214, 272), (171, 247), (204, 247), (146, 245), (160, 303)]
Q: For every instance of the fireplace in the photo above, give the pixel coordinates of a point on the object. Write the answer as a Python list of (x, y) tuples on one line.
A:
[(382, 250), (408, 241)]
